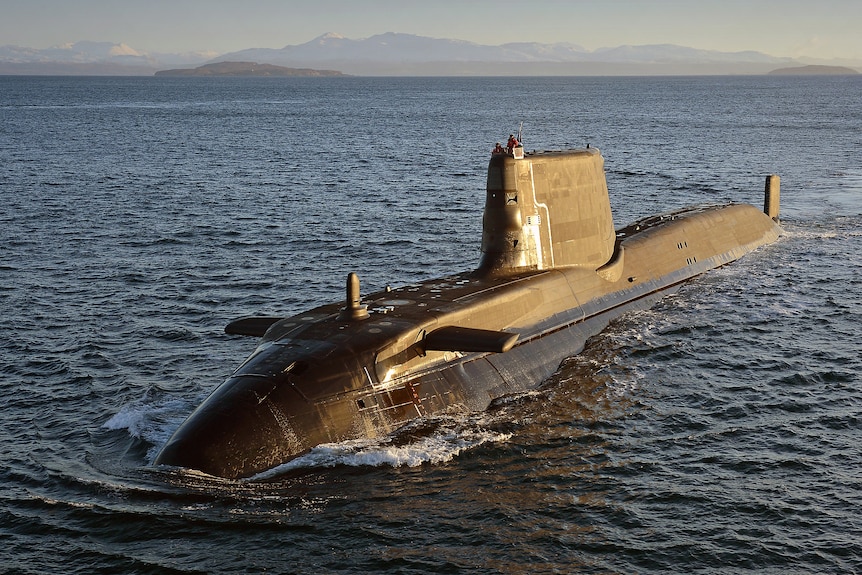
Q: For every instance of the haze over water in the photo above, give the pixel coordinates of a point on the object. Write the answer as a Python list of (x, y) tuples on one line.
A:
[(718, 432)]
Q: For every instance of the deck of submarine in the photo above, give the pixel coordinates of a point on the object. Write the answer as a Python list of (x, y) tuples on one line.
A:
[(411, 304), (418, 303)]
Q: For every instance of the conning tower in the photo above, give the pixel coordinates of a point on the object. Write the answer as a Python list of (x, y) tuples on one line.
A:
[(546, 210)]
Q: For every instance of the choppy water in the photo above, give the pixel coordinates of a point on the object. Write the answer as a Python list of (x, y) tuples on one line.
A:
[(716, 433)]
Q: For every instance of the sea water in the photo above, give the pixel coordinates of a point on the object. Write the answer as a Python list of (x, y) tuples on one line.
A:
[(718, 432)]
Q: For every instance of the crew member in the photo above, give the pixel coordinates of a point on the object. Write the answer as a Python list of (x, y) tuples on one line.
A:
[(498, 149), (512, 143)]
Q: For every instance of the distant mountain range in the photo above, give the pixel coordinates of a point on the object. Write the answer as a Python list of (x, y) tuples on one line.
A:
[(245, 69), (393, 54), (98, 58)]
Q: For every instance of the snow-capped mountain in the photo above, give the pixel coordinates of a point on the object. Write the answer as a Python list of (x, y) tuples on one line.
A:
[(406, 54)]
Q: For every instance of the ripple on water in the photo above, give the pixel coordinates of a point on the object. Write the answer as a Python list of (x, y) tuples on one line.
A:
[(718, 432)]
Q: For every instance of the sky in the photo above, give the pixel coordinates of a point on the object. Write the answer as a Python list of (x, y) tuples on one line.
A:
[(793, 28)]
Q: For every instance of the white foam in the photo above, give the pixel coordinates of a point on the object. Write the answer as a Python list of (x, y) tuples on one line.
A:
[(152, 420), (441, 446)]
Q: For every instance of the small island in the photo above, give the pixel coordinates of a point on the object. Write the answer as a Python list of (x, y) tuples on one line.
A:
[(241, 69), (814, 71)]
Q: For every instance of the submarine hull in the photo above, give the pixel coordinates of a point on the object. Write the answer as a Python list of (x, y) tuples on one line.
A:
[(216, 438), (550, 278)]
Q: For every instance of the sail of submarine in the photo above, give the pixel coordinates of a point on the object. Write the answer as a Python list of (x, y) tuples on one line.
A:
[(553, 272)]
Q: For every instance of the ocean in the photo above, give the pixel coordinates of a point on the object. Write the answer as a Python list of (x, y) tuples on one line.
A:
[(718, 432)]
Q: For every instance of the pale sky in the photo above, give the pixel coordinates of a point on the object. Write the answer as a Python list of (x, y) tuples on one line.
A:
[(792, 28)]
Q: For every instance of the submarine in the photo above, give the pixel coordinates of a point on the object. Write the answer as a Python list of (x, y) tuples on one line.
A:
[(553, 271)]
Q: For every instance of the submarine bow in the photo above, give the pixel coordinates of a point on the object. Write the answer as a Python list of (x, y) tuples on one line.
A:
[(553, 272)]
